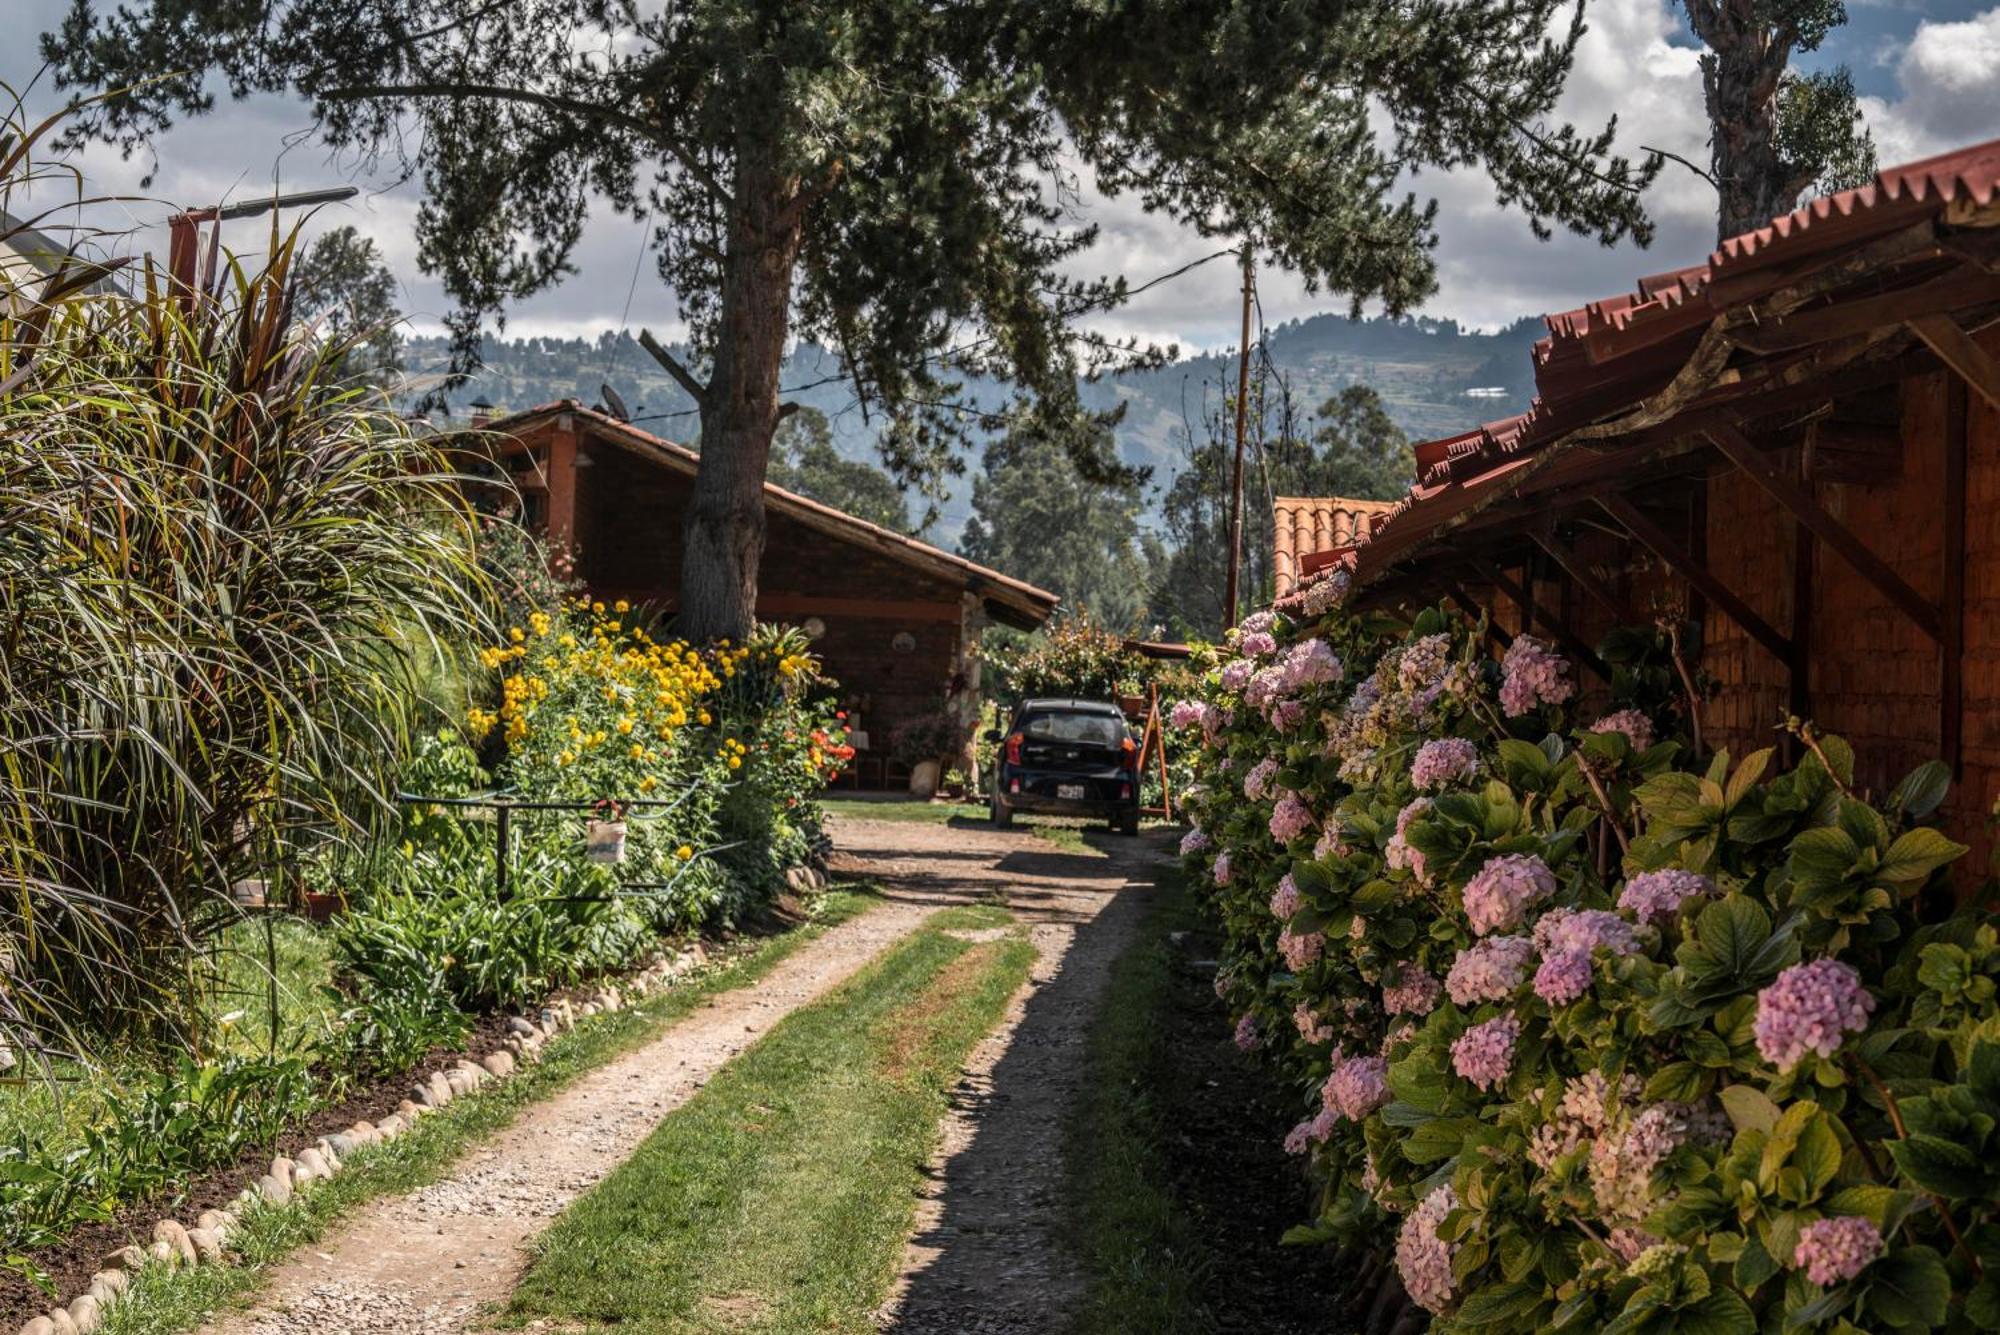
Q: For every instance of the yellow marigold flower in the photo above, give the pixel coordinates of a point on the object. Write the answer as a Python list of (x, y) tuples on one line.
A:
[(515, 635), (621, 607), (648, 784), (597, 609), (736, 762), (638, 752), (683, 852), (625, 724)]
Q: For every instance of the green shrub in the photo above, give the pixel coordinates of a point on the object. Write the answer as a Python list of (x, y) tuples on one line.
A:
[(1595, 1031)]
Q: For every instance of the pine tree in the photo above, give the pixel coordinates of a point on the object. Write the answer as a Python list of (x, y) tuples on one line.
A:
[(896, 179)]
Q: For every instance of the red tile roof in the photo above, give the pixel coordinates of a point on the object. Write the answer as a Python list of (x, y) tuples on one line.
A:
[(1308, 524), (1611, 355)]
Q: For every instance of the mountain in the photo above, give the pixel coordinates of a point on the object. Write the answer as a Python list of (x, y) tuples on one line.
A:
[(1435, 378)]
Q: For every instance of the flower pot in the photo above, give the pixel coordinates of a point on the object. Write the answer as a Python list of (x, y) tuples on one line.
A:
[(605, 841), (924, 778), (1133, 705), (319, 907), (249, 894)]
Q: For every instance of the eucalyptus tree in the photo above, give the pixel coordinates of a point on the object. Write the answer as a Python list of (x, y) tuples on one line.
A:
[(1775, 134), (905, 182)]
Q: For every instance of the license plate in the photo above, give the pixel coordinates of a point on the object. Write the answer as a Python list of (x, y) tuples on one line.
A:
[(1070, 791)]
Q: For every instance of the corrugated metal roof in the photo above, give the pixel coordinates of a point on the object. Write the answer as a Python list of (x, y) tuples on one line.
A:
[(1608, 356)]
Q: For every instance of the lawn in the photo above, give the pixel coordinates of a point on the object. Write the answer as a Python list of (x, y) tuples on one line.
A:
[(778, 1199), (1062, 831), (169, 1302)]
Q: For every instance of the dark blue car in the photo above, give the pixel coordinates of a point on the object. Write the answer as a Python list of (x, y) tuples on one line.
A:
[(1067, 758)]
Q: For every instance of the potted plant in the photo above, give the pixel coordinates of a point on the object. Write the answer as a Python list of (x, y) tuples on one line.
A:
[(923, 743)]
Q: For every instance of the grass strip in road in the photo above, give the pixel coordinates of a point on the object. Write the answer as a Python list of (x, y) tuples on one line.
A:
[(1146, 1264), (168, 1302), (779, 1198)]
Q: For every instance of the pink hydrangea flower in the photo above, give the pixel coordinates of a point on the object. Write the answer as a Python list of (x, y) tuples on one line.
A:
[(1187, 714), (1836, 1249), (1285, 899), (1531, 675), (1414, 992), (1654, 896), (1312, 1028), (1397, 852), (1261, 620), (1236, 674), (1300, 949), (1490, 970), (1810, 1008), (1500, 894), (1638, 729), (1325, 595), (1423, 662), (1357, 1086), (1286, 715), (1484, 1054), (1585, 930), (1622, 1164), (1266, 685), (1257, 783), (1221, 871), (1626, 1243), (1257, 644), (1314, 1131), (1246, 1034), (1194, 841), (1311, 663), (1291, 819), (1328, 844), (1445, 760), (1423, 1259), (1563, 977)]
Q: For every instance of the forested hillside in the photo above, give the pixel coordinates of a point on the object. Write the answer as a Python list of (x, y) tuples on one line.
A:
[(1423, 370)]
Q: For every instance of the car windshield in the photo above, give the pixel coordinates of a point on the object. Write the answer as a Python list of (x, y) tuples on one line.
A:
[(1096, 729)]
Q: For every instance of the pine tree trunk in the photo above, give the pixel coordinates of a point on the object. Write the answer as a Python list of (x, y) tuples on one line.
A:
[(1740, 74), (725, 521)]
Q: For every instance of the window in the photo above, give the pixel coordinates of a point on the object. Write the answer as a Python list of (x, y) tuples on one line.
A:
[(1095, 729)]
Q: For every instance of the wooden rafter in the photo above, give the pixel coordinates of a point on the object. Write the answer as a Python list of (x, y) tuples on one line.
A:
[(1655, 539), (1579, 571), (1956, 349), (1796, 499), (1823, 324)]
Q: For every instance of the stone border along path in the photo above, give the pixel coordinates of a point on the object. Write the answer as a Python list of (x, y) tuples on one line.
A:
[(432, 1261)]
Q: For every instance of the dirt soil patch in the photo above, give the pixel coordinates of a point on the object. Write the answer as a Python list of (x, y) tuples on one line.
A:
[(1228, 1171)]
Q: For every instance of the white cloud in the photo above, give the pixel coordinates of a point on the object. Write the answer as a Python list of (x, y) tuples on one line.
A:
[(1948, 76)]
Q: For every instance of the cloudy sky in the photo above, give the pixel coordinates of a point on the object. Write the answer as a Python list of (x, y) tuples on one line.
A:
[(1929, 70)]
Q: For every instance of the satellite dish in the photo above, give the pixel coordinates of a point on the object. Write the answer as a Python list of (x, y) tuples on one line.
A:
[(616, 404)]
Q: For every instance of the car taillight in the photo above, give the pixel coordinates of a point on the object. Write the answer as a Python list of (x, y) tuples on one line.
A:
[(1131, 750), (1014, 749)]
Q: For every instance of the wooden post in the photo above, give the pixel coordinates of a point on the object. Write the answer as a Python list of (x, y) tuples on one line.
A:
[(1236, 469), (1798, 664), (562, 482), (1951, 650)]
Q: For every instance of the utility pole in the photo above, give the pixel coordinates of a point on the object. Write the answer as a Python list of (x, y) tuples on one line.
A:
[(1242, 414)]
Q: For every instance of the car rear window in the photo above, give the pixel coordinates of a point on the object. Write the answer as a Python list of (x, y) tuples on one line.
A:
[(1096, 729)]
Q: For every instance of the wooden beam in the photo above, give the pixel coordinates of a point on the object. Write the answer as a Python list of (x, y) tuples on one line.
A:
[(1823, 324), (1467, 605), (1956, 349), (561, 477), (1565, 556), (1795, 498), (1652, 537), (1951, 662), (1533, 612)]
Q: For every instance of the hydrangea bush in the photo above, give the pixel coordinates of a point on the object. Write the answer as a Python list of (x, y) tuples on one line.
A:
[(1592, 1032)]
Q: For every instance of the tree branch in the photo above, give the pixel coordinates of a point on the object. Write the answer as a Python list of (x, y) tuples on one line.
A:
[(549, 101), (696, 390), (1675, 157)]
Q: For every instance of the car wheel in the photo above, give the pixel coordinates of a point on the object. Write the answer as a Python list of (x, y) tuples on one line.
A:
[(1128, 823), (1003, 815)]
